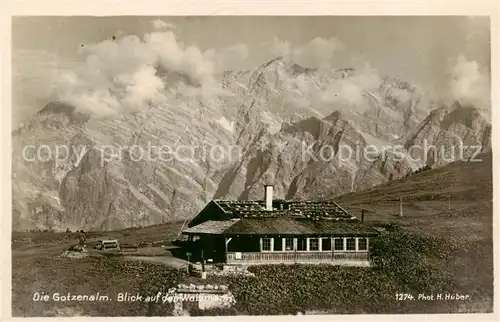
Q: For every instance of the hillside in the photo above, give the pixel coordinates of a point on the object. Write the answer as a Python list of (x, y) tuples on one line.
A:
[(453, 201)]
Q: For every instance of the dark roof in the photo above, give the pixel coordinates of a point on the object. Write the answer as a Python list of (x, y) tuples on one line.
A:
[(297, 226), (211, 227), (303, 209), (282, 226)]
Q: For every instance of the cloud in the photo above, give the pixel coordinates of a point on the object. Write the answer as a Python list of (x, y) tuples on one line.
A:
[(319, 52), (231, 57), (282, 48), (469, 84), (175, 56), (160, 24), (401, 95), (34, 78), (330, 88), (116, 77), (477, 26), (337, 90), (123, 75), (351, 89)]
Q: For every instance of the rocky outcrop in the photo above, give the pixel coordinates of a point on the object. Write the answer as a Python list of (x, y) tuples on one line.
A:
[(100, 181), (450, 133), (309, 159)]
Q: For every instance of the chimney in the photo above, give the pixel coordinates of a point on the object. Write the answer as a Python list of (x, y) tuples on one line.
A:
[(362, 215), (269, 197)]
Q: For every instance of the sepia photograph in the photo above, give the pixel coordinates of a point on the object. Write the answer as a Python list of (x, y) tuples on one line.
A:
[(251, 165)]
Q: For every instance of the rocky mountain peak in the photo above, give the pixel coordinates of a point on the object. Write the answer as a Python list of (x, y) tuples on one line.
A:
[(276, 109)]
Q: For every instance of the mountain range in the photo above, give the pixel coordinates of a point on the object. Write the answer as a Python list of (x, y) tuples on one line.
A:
[(287, 125)]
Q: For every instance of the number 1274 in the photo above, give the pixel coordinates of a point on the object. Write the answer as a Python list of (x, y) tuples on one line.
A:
[(404, 297)]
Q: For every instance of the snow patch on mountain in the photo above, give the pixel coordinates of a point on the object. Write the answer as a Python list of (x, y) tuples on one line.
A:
[(226, 124)]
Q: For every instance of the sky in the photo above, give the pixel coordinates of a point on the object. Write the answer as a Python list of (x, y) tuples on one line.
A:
[(422, 50)]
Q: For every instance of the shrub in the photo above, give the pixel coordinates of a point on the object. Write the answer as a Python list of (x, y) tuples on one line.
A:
[(404, 262)]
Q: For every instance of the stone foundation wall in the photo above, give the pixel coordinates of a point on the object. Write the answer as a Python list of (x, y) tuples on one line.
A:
[(202, 296)]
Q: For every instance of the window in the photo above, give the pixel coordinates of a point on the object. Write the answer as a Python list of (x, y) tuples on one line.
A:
[(362, 243), (278, 244), (288, 243), (326, 244), (313, 244), (339, 243), (301, 244), (266, 244), (351, 244)]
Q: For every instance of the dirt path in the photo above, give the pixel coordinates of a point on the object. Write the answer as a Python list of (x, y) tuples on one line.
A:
[(41, 249), (170, 261)]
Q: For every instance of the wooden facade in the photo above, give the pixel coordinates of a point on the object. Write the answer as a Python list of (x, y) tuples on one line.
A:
[(318, 250), (255, 249)]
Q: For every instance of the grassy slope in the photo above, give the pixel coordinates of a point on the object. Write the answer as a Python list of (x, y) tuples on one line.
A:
[(444, 246), (156, 233), (50, 274), (37, 267), (455, 201), (453, 206)]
